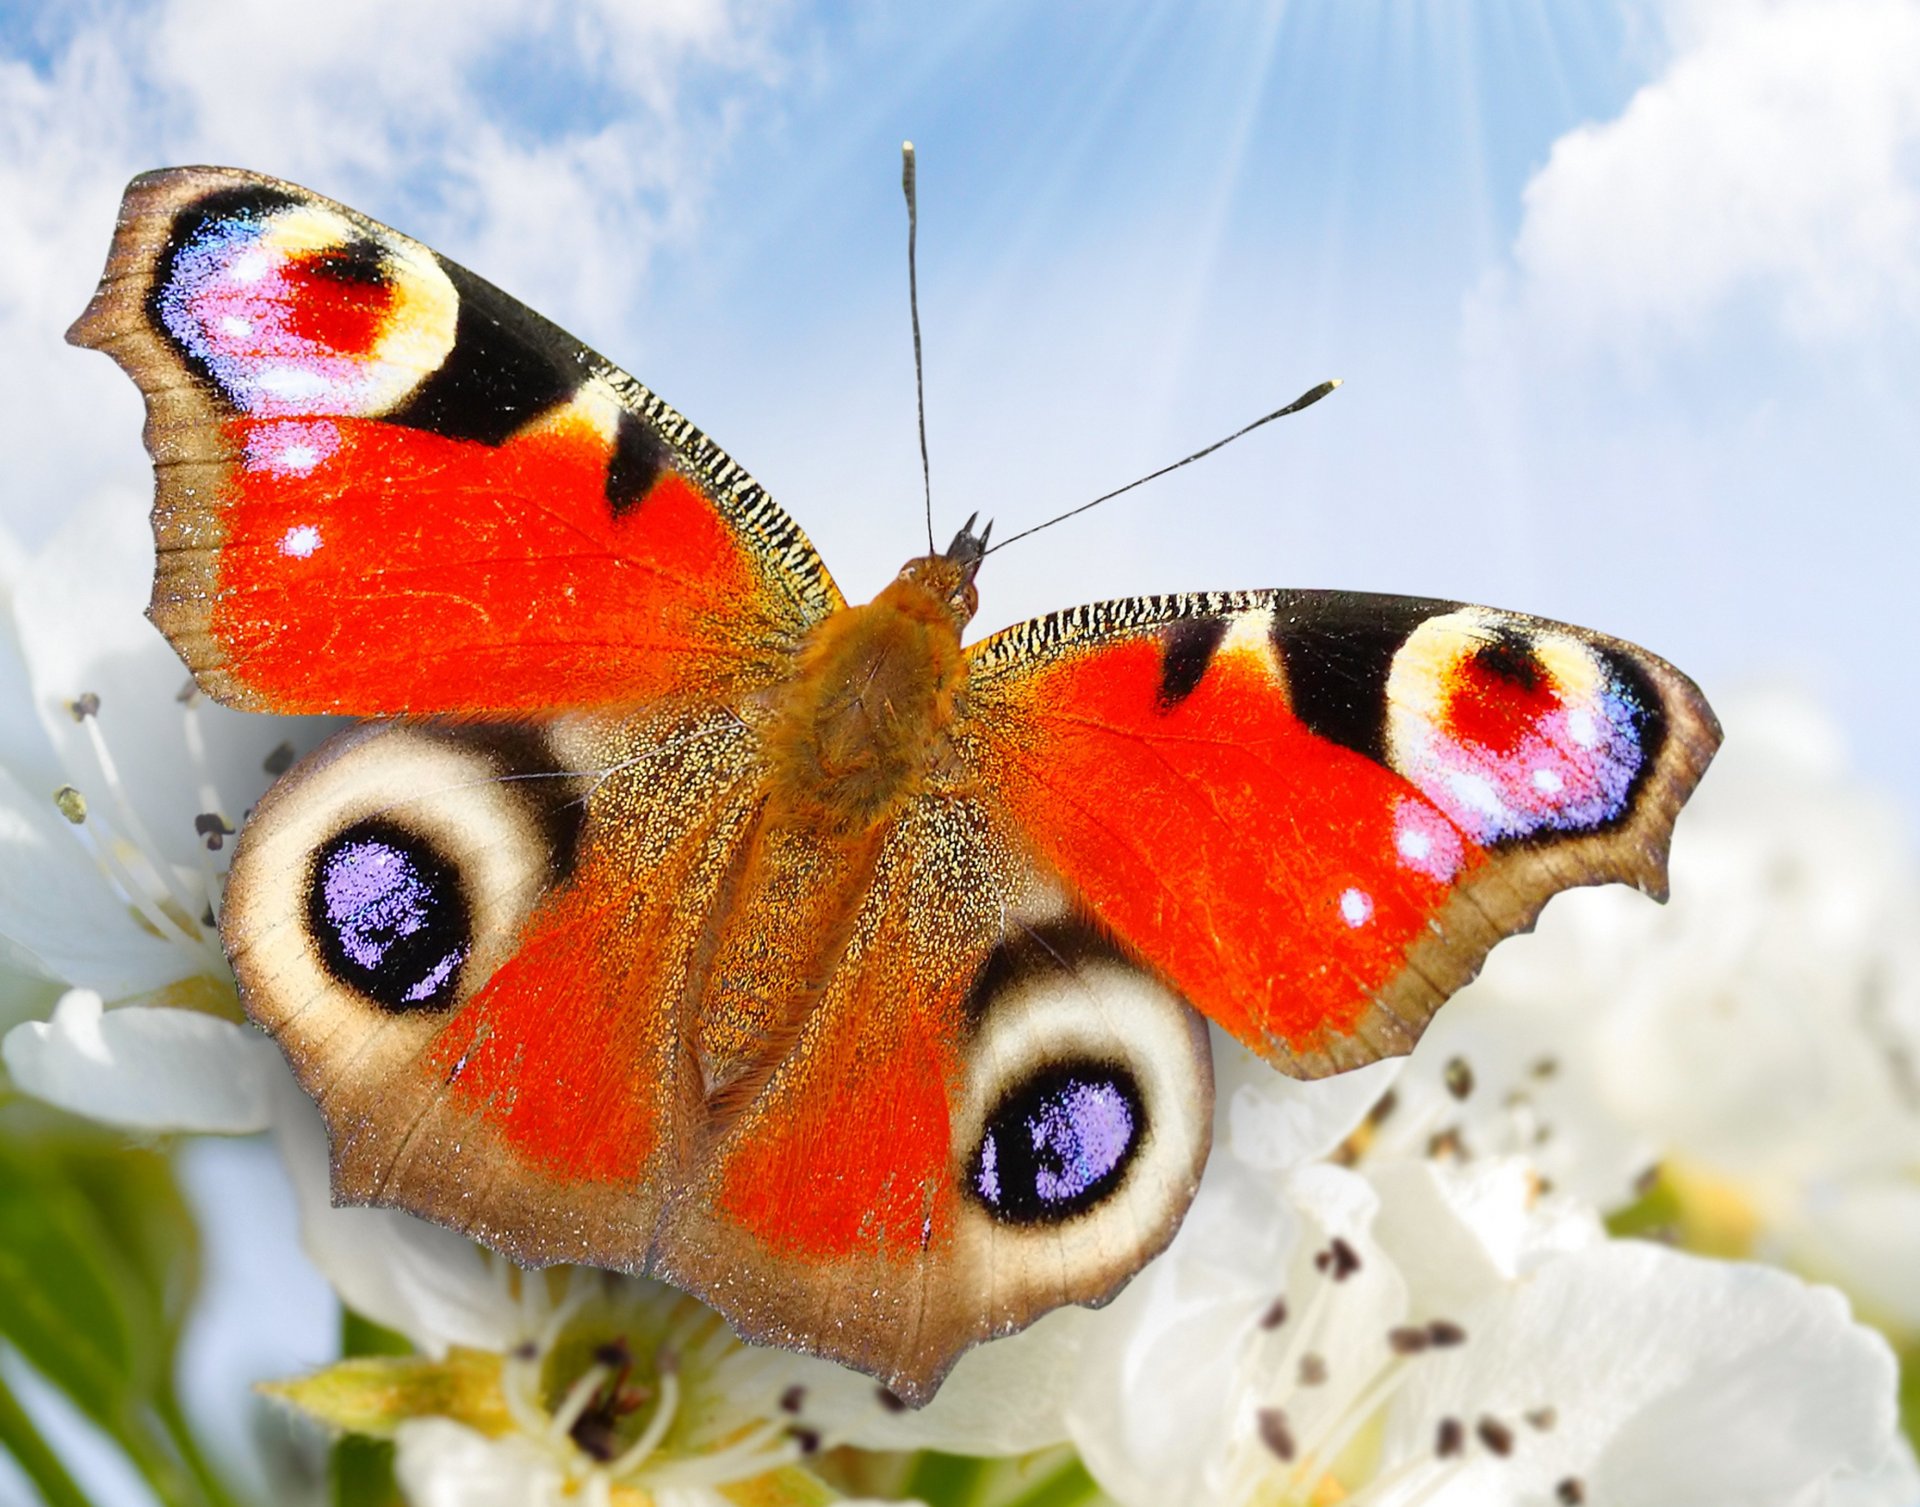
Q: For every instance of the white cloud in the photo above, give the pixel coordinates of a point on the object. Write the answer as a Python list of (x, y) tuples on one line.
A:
[(1774, 167), (550, 147)]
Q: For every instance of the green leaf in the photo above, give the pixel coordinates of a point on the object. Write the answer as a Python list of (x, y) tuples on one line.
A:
[(99, 1264), (20, 1439)]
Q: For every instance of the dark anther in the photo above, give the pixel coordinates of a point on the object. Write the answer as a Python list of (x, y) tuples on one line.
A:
[(279, 761), (1459, 1077), (1647, 1181), (1385, 1105), (214, 828), (1496, 1436), (188, 693), (1276, 1314), (1442, 1333), (1450, 1439), (597, 1430), (891, 1401), (1543, 1418), (526, 1350), (1546, 1067), (1274, 1432), (1571, 1491), (793, 1399), (807, 1439), (1447, 1143), (1346, 1260), (84, 706), (1313, 1369), (1322, 1260), (1407, 1341)]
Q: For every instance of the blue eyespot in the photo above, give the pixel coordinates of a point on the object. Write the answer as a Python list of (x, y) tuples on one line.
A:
[(1058, 1143), (389, 917)]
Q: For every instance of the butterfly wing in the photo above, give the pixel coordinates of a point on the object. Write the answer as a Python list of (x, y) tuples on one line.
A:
[(384, 486), (1314, 813)]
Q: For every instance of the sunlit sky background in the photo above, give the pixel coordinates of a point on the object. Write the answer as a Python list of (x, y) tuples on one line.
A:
[(1626, 293)]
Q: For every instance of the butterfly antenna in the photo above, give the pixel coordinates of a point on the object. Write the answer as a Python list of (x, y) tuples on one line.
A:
[(1305, 400), (913, 303)]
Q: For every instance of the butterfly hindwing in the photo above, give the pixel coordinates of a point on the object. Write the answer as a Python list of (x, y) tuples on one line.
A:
[(988, 1111), (1315, 812), (384, 486)]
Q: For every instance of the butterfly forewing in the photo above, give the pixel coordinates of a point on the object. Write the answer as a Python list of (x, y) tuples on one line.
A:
[(1315, 812), (385, 486)]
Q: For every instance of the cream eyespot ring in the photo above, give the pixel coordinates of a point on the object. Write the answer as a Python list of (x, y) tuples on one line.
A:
[(392, 871)]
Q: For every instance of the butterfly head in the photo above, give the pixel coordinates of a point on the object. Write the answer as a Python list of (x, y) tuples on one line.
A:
[(949, 576)]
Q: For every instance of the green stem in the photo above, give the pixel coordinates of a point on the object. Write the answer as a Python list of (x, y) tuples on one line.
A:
[(20, 1439), (159, 1467), (174, 1421), (1066, 1487), (945, 1480)]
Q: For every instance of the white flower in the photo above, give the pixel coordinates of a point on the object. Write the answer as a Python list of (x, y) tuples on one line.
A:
[(1425, 1333), (118, 790), (1758, 1037)]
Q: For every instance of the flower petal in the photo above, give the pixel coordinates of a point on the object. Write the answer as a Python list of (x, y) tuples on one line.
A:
[(434, 1286), (1667, 1376), (1275, 1122), (59, 916), (1003, 1398), (441, 1463), (147, 1069)]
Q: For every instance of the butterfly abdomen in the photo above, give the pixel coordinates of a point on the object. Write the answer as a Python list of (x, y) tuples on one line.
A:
[(865, 720)]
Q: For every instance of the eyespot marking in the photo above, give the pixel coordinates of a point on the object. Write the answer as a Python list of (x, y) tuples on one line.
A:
[(1058, 1143), (389, 917)]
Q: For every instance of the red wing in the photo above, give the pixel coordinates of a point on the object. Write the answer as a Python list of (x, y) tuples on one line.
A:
[(384, 486), (1315, 812)]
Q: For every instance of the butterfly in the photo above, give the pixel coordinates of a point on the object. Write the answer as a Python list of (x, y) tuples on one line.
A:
[(671, 914)]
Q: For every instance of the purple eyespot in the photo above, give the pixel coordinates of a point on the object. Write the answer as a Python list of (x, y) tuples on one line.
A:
[(1058, 1143), (388, 916)]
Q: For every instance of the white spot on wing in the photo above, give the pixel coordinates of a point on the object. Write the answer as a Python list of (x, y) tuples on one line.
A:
[(300, 541), (1356, 907)]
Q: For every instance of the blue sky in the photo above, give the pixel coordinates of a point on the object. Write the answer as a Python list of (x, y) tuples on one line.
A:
[(1626, 293)]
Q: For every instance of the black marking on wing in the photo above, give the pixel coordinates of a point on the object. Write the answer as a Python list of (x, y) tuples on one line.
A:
[(1065, 946), (1510, 657), (389, 915), (507, 366), (249, 202), (1337, 658), (359, 262), (639, 456), (554, 794), (1188, 647)]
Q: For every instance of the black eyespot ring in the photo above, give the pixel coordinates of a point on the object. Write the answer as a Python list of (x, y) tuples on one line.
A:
[(1058, 1142), (389, 916)]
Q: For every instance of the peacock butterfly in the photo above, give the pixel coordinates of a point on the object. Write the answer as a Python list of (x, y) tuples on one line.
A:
[(673, 915)]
